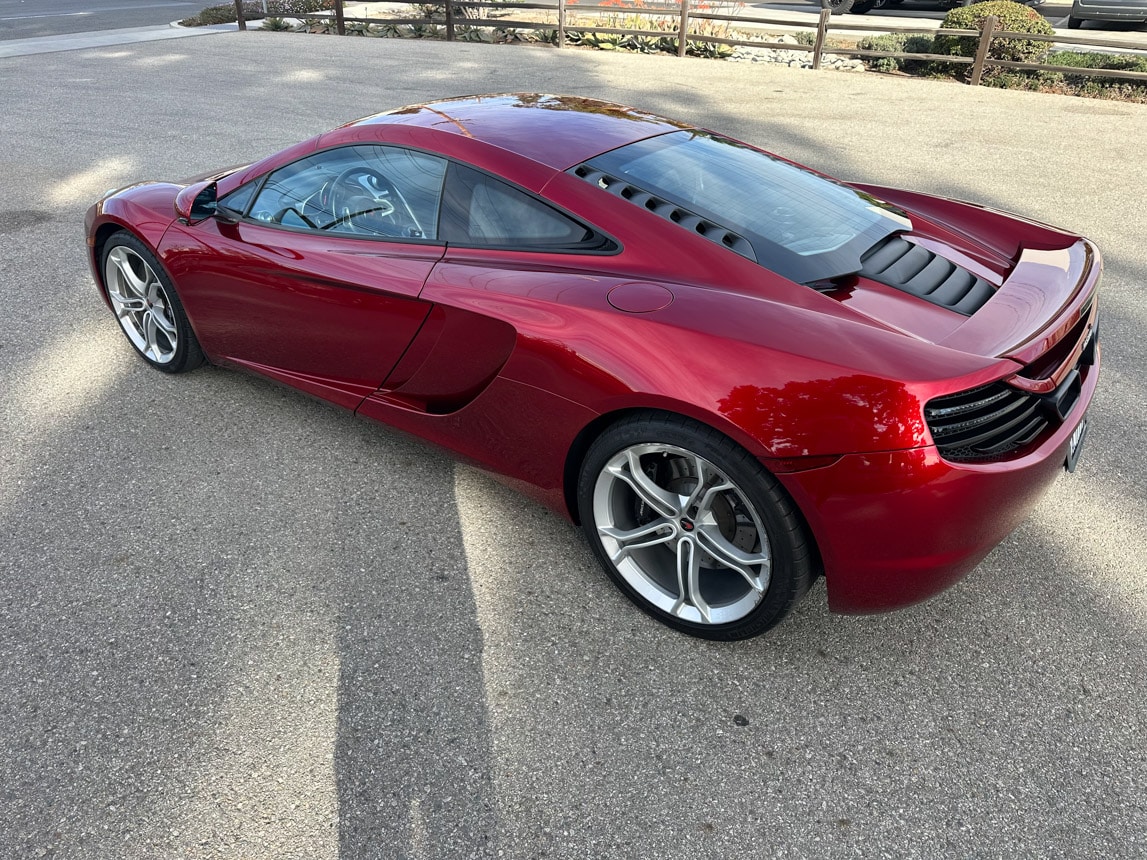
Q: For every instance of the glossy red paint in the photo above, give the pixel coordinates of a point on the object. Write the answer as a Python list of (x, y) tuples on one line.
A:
[(907, 524), (510, 122), (147, 210), (328, 313), (515, 359)]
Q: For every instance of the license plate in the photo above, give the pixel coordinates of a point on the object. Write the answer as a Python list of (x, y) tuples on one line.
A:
[(1075, 446)]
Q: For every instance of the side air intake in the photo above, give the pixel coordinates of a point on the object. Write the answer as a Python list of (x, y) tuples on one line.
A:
[(669, 211)]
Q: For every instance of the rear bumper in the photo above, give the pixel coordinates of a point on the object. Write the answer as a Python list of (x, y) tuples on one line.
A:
[(896, 528), (1110, 11)]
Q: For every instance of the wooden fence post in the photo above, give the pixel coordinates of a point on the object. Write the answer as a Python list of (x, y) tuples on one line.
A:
[(340, 24), (683, 30), (821, 35), (239, 15), (449, 20), (982, 49), (561, 23)]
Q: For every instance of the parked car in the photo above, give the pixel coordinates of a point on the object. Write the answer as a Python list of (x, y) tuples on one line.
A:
[(1129, 11), (737, 374), (860, 7)]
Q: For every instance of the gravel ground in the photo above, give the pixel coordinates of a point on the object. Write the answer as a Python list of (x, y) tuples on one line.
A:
[(238, 623)]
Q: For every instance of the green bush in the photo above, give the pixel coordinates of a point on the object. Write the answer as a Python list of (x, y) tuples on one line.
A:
[(1097, 60), (899, 43), (1096, 86), (1012, 16)]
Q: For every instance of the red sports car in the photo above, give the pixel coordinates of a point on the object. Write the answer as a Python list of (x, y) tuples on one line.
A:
[(737, 374)]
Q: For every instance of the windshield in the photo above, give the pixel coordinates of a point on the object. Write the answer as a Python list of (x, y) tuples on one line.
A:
[(801, 225)]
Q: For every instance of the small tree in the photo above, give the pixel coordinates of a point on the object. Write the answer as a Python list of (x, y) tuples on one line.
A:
[(1012, 16)]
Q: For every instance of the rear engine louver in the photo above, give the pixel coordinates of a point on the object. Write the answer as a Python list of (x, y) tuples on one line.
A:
[(669, 211), (903, 265), (985, 423)]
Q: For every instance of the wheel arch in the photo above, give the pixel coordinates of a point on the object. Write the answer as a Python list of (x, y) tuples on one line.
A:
[(99, 241), (580, 446), (667, 407), (582, 442)]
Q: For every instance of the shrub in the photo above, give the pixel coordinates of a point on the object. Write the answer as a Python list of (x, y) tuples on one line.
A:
[(900, 43), (316, 25), (1096, 86), (1097, 60), (1012, 16)]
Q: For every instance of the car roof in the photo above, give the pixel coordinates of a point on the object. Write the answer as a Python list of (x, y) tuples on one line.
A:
[(557, 131)]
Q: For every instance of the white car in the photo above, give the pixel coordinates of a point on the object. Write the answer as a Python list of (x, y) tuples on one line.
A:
[(1132, 11)]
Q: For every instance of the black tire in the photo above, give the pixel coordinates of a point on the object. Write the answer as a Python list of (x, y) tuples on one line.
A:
[(746, 555), (1074, 23), (838, 7), (146, 305)]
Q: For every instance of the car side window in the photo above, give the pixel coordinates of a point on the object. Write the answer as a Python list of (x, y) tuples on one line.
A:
[(484, 211), (238, 199), (366, 191)]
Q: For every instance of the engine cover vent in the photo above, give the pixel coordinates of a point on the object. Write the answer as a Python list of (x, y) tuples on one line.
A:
[(669, 211), (904, 265)]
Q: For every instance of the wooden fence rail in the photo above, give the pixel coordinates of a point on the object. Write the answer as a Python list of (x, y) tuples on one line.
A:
[(454, 17)]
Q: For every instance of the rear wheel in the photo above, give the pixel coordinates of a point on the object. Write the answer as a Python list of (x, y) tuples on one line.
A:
[(147, 307), (837, 7), (692, 528)]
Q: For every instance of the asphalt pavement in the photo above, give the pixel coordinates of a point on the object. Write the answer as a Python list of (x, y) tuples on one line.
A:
[(27, 19), (238, 623)]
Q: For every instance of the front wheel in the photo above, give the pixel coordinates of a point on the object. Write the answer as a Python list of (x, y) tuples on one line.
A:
[(147, 307), (692, 528)]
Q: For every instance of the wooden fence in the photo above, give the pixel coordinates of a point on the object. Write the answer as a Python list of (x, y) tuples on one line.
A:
[(686, 17)]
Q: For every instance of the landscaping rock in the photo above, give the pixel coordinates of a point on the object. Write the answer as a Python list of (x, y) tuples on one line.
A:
[(795, 59)]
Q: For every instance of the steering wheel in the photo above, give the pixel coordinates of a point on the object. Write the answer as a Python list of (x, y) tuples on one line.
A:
[(357, 191)]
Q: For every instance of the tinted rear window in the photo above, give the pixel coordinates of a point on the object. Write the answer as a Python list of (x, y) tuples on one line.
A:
[(800, 224)]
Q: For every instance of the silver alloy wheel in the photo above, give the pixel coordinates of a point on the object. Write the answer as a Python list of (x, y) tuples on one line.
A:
[(141, 304), (682, 534)]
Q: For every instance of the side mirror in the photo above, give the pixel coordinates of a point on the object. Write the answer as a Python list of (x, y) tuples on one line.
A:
[(196, 202)]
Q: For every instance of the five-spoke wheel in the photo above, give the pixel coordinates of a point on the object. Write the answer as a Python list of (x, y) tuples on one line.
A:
[(692, 528), (147, 307)]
